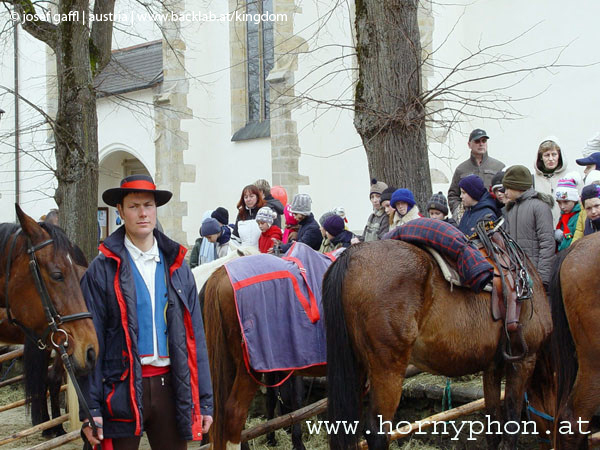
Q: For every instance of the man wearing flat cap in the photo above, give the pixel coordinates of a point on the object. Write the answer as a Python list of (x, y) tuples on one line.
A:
[(152, 370), (479, 163)]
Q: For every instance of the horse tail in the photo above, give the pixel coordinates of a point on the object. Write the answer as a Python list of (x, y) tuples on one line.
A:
[(222, 370), (563, 347), (35, 368), (343, 386)]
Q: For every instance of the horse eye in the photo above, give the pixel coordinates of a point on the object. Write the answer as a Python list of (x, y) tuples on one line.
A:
[(57, 276)]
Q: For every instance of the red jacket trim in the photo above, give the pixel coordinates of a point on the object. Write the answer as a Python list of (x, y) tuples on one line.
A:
[(191, 351), (178, 261), (123, 308)]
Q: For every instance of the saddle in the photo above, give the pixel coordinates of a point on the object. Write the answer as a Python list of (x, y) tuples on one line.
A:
[(510, 285)]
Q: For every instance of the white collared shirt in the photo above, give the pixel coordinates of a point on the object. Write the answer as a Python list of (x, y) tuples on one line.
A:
[(146, 265)]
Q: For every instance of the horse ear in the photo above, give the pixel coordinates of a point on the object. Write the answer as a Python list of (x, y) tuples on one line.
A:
[(30, 227)]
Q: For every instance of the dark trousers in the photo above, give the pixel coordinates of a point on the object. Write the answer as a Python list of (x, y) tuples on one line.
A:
[(159, 417)]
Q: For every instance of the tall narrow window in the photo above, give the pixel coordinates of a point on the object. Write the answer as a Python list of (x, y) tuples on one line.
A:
[(259, 58)]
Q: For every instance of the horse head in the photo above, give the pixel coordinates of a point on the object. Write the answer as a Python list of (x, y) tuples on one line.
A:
[(44, 252)]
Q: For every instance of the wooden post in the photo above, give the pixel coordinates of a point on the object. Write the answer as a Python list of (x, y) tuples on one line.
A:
[(73, 405)]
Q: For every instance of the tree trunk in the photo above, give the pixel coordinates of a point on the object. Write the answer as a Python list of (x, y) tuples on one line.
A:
[(388, 113), (76, 132)]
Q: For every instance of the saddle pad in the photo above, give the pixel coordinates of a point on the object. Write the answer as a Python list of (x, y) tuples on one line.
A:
[(278, 301), (473, 269)]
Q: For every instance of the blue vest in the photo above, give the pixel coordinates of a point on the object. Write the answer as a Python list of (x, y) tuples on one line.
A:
[(144, 310)]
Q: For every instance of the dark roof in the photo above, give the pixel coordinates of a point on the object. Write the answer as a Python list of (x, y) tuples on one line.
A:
[(131, 69)]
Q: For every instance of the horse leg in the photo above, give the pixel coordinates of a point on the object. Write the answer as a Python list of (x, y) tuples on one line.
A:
[(291, 394), (55, 380), (271, 403), (574, 417), (35, 363), (518, 376), (492, 378), (236, 407), (384, 396)]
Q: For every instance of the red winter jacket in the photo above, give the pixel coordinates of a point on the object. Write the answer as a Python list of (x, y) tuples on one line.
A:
[(265, 242)]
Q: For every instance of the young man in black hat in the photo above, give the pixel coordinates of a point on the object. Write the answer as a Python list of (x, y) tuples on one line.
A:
[(479, 163), (152, 371)]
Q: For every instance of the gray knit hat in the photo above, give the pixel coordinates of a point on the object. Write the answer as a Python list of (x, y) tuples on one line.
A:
[(266, 214), (301, 204), (377, 187), (326, 216), (439, 202), (209, 227)]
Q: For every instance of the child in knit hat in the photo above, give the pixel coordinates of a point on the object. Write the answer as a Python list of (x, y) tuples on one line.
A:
[(405, 206), (477, 202), (567, 197), (437, 208), (270, 233), (377, 223), (335, 234)]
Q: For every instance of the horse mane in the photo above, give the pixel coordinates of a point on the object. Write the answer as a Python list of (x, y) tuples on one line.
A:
[(562, 344), (61, 241)]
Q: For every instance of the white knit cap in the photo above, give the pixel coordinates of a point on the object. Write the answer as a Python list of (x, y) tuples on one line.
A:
[(266, 214)]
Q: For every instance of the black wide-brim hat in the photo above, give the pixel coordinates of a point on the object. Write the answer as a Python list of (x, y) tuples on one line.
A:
[(135, 183)]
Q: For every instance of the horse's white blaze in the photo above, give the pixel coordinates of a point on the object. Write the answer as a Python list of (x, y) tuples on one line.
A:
[(232, 446)]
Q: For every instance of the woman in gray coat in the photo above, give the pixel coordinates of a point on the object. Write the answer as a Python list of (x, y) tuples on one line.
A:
[(529, 220)]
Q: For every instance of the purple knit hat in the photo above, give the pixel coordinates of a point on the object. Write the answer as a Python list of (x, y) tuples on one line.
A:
[(334, 225), (473, 185)]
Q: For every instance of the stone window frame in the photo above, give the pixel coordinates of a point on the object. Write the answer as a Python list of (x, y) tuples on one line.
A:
[(241, 127)]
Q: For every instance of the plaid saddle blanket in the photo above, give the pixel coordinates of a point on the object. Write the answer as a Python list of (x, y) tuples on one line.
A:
[(472, 267), (278, 302)]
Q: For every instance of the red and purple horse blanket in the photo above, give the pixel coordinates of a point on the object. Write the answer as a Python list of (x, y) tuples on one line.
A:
[(279, 309)]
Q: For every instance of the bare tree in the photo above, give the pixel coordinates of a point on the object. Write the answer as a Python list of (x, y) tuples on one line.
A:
[(390, 116), (81, 50)]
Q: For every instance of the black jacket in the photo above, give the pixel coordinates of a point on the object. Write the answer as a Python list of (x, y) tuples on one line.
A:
[(309, 233)]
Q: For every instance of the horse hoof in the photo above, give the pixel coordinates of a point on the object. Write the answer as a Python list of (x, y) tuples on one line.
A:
[(54, 432)]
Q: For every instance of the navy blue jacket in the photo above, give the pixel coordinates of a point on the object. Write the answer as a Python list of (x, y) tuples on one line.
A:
[(114, 388), (309, 233), (486, 205)]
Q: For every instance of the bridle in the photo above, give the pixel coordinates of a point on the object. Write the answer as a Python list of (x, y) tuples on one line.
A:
[(53, 318)]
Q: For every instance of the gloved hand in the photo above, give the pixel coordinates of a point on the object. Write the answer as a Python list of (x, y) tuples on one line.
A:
[(558, 235)]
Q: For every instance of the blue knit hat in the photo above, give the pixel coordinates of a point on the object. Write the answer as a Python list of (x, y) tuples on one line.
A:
[(472, 185), (402, 195), (210, 226)]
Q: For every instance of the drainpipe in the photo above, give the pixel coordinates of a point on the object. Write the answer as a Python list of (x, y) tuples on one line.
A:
[(17, 135)]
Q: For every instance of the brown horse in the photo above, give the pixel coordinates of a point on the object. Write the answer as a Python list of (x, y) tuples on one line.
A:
[(381, 316), (233, 386), (575, 340), (29, 245)]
